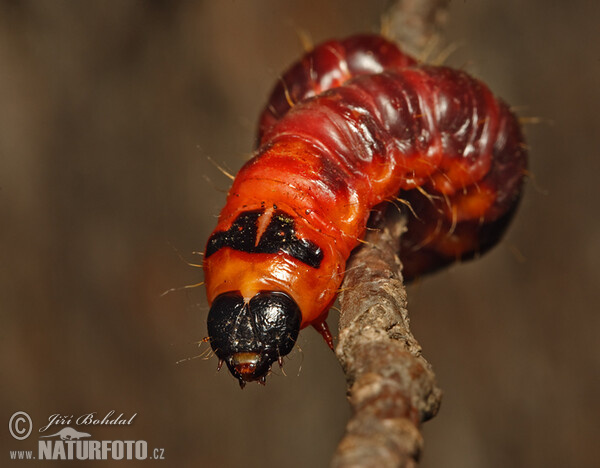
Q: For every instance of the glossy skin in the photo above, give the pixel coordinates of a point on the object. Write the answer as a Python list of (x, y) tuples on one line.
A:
[(386, 127), (330, 65)]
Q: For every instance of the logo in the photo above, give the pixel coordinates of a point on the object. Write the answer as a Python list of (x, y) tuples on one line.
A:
[(68, 433), (68, 443)]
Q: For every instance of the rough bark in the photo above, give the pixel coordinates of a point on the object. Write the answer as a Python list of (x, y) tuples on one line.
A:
[(391, 387)]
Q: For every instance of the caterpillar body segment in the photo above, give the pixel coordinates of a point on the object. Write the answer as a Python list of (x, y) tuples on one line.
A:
[(353, 124)]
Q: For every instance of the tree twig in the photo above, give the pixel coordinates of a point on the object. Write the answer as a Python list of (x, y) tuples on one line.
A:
[(415, 23), (391, 387)]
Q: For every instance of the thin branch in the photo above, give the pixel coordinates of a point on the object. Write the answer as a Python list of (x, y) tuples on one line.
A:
[(391, 387), (415, 24)]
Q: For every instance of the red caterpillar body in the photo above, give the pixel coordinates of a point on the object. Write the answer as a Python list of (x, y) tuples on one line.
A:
[(353, 124)]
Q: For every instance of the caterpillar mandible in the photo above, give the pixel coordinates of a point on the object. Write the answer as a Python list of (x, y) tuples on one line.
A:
[(352, 124)]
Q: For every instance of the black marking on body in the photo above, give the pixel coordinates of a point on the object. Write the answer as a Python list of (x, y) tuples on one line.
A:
[(279, 236)]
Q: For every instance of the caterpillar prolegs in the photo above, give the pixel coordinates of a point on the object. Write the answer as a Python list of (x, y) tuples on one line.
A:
[(354, 123)]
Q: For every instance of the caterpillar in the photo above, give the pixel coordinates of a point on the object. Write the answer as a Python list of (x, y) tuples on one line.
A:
[(353, 124)]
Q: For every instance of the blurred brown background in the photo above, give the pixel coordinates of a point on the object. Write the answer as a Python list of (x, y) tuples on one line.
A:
[(109, 111)]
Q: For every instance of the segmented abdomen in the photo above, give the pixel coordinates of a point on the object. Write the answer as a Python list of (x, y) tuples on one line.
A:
[(327, 66), (385, 127)]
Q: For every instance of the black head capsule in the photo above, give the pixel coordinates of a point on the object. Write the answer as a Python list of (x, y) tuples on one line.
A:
[(250, 336)]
